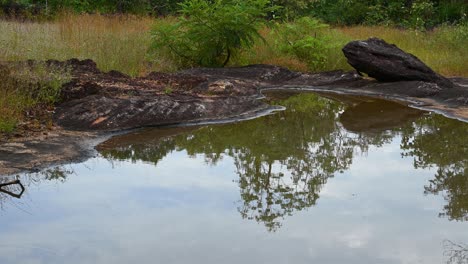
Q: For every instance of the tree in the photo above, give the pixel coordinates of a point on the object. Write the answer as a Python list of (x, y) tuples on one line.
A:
[(209, 33)]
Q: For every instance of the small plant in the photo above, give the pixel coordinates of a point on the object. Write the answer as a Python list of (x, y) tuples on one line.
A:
[(210, 33), (168, 90), (7, 124)]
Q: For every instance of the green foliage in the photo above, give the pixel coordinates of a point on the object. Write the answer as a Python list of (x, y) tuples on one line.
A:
[(419, 14), (210, 33), (386, 13), (407, 13), (422, 14), (164, 7), (304, 40), (451, 11), (291, 9), (342, 12)]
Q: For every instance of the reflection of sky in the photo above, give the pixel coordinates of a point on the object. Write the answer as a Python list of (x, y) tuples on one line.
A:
[(184, 211)]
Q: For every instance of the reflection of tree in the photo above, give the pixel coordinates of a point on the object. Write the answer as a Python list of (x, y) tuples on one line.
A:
[(282, 160), (441, 142), (15, 187), (455, 253), (150, 146)]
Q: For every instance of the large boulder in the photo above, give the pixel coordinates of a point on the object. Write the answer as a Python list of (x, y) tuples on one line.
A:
[(387, 63)]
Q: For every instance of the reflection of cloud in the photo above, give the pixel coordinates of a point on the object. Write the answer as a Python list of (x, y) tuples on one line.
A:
[(380, 172), (179, 172), (167, 214), (358, 238)]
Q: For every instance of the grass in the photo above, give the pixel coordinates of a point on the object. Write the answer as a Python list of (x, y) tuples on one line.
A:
[(114, 42), (28, 91), (122, 43)]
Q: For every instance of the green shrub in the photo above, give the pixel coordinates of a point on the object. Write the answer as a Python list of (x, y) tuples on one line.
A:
[(209, 33), (387, 13), (422, 15), (451, 11), (341, 12), (304, 39)]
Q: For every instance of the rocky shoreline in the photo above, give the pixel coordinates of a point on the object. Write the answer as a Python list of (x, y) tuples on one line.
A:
[(95, 105)]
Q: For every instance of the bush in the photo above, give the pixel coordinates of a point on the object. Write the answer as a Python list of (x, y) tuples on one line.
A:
[(209, 33), (341, 12), (451, 11), (387, 13), (422, 15), (304, 40)]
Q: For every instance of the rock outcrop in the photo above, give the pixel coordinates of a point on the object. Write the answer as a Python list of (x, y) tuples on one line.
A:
[(112, 101), (95, 100), (388, 63)]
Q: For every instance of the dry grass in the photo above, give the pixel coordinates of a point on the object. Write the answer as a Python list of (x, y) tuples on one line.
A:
[(114, 42)]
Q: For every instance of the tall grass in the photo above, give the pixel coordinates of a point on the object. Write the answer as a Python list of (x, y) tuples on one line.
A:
[(122, 42), (114, 42)]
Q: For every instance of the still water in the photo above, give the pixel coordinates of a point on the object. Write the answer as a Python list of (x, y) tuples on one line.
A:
[(329, 180)]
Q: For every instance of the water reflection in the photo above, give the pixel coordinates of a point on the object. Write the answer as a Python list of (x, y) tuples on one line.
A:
[(284, 160), (116, 211), (12, 188), (376, 116), (15, 187), (439, 142), (456, 253)]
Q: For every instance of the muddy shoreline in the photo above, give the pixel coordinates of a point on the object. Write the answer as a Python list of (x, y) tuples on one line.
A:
[(96, 106)]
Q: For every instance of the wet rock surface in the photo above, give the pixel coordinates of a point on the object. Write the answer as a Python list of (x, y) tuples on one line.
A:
[(387, 63)]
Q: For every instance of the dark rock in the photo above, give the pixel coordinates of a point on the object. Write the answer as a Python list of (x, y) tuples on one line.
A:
[(388, 63)]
